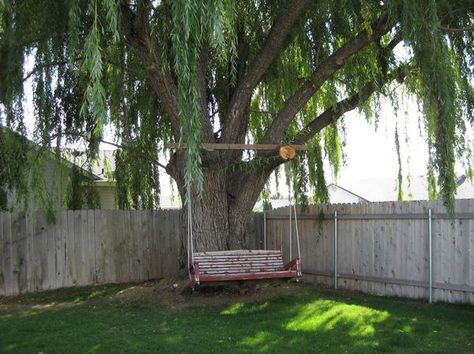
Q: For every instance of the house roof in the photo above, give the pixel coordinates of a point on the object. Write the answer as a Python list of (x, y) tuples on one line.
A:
[(62, 159), (335, 186), (105, 160)]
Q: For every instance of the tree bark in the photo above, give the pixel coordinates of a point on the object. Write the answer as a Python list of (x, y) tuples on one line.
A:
[(219, 215)]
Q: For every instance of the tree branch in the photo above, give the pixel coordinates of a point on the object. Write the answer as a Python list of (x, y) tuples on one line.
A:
[(273, 45), (47, 65), (244, 186), (150, 158), (337, 110), (206, 127), (321, 74), (78, 135), (136, 31)]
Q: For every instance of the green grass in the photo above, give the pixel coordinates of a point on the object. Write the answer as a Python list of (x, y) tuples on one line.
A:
[(90, 320)]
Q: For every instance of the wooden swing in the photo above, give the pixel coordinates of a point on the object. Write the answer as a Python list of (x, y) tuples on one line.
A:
[(218, 266)]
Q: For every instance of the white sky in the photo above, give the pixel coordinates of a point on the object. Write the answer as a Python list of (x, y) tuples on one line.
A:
[(371, 152)]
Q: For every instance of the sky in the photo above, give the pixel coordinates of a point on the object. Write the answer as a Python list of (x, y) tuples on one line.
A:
[(371, 150)]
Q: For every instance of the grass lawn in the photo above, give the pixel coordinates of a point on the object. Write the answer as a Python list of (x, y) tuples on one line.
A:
[(300, 320)]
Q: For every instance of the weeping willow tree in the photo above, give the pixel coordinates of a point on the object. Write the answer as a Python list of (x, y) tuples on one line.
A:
[(223, 71)]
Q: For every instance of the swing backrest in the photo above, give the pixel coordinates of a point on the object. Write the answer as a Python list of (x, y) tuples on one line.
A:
[(241, 261)]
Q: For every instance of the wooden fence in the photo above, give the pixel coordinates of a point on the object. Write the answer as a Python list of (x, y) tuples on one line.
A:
[(381, 247), (86, 247), (384, 247), (90, 247)]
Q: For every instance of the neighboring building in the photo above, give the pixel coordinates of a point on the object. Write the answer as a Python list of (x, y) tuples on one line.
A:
[(415, 188), (107, 194), (102, 169), (170, 201), (56, 175), (380, 190), (338, 194)]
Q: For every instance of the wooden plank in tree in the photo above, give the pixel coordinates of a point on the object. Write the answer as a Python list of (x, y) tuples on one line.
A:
[(219, 146)]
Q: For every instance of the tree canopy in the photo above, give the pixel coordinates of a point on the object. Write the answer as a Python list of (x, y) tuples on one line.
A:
[(223, 71)]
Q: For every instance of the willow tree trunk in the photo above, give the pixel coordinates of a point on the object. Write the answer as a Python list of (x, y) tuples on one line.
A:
[(222, 211)]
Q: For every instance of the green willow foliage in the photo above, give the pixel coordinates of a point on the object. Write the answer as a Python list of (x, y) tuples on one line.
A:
[(80, 192), (87, 76), (196, 23)]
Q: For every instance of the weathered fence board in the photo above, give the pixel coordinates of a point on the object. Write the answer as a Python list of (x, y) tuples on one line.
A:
[(384, 247), (86, 247)]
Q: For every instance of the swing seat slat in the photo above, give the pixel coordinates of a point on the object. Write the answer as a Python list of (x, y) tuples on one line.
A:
[(242, 265)]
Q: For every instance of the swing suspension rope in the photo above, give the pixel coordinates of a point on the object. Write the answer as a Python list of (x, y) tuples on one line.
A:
[(292, 208), (190, 234)]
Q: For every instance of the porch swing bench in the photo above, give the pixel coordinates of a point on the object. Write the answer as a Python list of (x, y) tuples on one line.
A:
[(219, 266)]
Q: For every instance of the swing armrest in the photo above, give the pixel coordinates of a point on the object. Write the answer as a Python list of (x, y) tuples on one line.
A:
[(195, 272), (293, 263), (195, 268)]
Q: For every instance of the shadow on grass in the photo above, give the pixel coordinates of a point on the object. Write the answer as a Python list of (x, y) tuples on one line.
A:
[(65, 295), (309, 322)]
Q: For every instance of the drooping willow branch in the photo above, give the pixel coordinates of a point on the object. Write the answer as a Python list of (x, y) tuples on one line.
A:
[(117, 145)]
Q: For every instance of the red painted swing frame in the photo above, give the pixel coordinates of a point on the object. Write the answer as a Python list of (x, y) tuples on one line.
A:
[(290, 270)]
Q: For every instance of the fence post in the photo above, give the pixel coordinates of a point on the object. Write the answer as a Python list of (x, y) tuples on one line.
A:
[(335, 249), (430, 251), (264, 230)]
